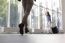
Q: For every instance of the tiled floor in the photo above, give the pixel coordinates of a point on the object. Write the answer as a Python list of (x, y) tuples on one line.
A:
[(32, 38)]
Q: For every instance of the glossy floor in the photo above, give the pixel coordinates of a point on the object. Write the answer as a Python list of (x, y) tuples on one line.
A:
[(32, 38)]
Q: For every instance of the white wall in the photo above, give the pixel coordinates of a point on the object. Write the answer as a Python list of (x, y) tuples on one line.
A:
[(63, 13)]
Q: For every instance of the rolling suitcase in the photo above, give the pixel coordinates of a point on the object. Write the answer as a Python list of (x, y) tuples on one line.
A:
[(55, 30)]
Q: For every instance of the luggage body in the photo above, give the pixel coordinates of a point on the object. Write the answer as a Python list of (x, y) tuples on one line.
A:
[(55, 30)]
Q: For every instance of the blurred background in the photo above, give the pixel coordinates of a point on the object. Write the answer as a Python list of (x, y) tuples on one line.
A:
[(12, 12)]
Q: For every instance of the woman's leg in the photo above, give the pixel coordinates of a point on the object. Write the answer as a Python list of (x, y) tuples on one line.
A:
[(27, 5), (27, 13)]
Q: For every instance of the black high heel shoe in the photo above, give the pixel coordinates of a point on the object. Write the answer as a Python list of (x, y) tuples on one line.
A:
[(21, 26), (26, 30)]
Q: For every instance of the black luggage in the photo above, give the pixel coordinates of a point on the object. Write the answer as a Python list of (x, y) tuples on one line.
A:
[(55, 30)]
